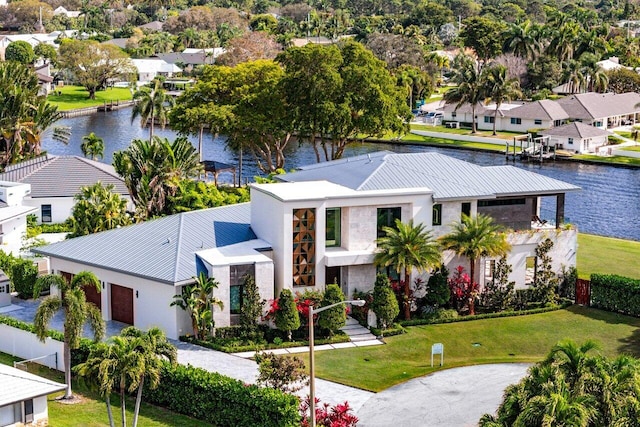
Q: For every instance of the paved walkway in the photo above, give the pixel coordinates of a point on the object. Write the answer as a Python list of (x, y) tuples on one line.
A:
[(453, 398), (247, 370)]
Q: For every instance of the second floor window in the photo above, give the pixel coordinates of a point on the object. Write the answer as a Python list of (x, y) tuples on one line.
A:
[(332, 232), (387, 218)]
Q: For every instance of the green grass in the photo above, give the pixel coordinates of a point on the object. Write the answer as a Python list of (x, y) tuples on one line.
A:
[(467, 131), (427, 140), (607, 255), (91, 410), (630, 148), (620, 160), (73, 97), (511, 339)]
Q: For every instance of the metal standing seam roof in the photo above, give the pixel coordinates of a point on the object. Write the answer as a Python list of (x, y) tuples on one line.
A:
[(576, 130), (161, 250), (62, 176), (447, 177), (18, 385)]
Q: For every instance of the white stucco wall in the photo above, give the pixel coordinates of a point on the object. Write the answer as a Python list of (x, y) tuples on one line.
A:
[(26, 345), (40, 410), (60, 207), (12, 234), (150, 308)]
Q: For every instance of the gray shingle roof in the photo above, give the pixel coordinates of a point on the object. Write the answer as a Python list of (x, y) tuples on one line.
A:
[(589, 106), (576, 130), (447, 177), (163, 249), (18, 385), (543, 110), (62, 176)]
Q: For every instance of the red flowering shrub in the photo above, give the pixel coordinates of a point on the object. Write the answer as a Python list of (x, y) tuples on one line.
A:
[(463, 291), (326, 416)]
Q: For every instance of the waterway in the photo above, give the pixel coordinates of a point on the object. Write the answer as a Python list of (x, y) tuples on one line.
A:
[(608, 205)]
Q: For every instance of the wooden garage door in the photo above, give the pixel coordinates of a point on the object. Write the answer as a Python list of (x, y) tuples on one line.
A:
[(122, 304), (92, 295)]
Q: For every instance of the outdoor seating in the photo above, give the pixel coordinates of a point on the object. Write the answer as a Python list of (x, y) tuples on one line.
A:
[(453, 125)]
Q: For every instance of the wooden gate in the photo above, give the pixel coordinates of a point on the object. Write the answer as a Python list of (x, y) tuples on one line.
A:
[(583, 292)]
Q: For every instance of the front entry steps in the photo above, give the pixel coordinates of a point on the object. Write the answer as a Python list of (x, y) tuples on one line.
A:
[(357, 332)]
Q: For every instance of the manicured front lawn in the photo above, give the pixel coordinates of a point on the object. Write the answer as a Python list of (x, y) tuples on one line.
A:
[(427, 140), (607, 255), (73, 97), (511, 339), (466, 131), (621, 160), (92, 412)]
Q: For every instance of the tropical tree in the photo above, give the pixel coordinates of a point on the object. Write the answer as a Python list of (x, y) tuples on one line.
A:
[(483, 35), (20, 51), (500, 88), (98, 208), (77, 311), (152, 171), (198, 300), (473, 238), (97, 373), (92, 146), (151, 105), (470, 88), (523, 40), (406, 247)]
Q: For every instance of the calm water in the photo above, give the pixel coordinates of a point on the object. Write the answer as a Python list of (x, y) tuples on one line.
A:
[(608, 204)]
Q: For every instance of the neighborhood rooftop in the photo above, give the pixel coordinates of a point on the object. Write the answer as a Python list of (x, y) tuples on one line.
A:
[(448, 178), (162, 249), (18, 385), (62, 176), (576, 130)]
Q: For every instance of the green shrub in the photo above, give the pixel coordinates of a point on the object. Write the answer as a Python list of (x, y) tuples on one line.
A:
[(334, 318), (23, 277), (394, 329), (615, 293), (385, 304), (252, 305), (287, 317), (437, 292), (221, 400), (283, 373), (361, 313)]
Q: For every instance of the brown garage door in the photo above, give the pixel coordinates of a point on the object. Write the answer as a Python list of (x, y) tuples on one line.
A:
[(92, 295), (122, 304)]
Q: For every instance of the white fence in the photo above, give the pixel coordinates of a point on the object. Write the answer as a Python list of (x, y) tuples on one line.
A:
[(626, 153), (26, 345)]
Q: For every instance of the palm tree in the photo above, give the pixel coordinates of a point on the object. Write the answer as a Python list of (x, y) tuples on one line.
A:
[(97, 208), (92, 146), (77, 311), (198, 300), (522, 40), (470, 87), (99, 374), (155, 349), (500, 88), (473, 238), (573, 75), (407, 247), (151, 105)]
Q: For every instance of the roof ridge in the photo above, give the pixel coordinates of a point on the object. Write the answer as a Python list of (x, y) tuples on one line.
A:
[(92, 163), (40, 165), (382, 163), (178, 239), (582, 104)]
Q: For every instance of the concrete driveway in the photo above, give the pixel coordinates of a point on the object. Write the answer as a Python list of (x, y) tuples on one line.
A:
[(449, 398)]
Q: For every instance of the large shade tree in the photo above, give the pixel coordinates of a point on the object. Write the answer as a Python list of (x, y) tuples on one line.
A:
[(77, 311), (475, 237), (406, 247)]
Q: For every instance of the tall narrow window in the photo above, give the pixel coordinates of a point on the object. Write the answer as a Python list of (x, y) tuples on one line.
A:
[(237, 275), (387, 218), (332, 233), (304, 247), (489, 269), (530, 270), (45, 213), (466, 208), (437, 214), (28, 411)]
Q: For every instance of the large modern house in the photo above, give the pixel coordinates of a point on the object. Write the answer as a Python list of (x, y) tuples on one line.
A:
[(319, 225)]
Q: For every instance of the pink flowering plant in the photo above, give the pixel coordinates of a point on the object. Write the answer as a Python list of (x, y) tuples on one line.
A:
[(463, 291), (328, 416)]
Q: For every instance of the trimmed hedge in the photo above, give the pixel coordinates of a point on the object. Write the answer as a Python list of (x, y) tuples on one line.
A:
[(221, 400), (396, 329), (615, 293), (417, 322), (208, 396), (337, 338)]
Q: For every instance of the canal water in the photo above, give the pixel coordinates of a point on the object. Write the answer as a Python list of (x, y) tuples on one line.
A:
[(608, 205)]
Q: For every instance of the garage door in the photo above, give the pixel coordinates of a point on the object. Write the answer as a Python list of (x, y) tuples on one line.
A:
[(92, 295), (122, 304)]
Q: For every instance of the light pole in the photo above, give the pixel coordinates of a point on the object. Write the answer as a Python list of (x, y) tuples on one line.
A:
[(312, 374)]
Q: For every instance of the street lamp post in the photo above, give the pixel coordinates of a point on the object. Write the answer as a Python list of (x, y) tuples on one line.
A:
[(312, 374)]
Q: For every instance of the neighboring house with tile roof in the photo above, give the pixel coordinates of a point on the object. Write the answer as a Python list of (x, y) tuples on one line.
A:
[(13, 215), (23, 397), (577, 137), (602, 110), (55, 180), (318, 225)]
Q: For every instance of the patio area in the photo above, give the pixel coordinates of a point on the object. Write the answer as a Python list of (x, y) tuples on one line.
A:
[(25, 310)]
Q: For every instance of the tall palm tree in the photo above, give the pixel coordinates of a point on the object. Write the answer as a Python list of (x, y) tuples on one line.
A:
[(198, 300), (574, 76), (92, 146), (469, 89), (522, 40), (473, 238), (155, 348), (407, 247), (99, 374), (77, 311), (500, 88), (151, 105)]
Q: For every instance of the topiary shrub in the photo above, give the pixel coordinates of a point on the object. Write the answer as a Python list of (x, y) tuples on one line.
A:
[(385, 304), (336, 317), (287, 318)]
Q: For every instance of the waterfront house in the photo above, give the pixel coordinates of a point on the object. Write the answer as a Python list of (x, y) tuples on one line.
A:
[(577, 137), (55, 180), (319, 225), (23, 397), (149, 69)]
